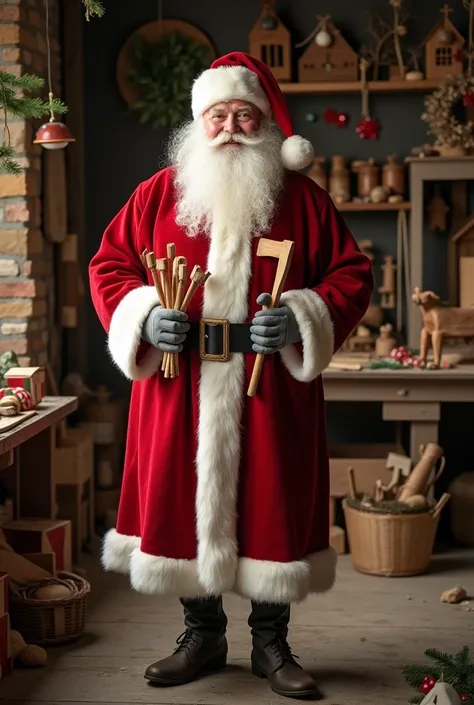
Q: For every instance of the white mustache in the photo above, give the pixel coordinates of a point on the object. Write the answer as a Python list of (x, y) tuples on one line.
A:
[(238, 137)]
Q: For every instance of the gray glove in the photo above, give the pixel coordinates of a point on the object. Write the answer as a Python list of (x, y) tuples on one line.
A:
[(274, 329), (165, 329)]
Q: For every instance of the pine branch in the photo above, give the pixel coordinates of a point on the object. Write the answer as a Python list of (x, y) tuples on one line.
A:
[(94, 8), (442, 659), (7, 159)]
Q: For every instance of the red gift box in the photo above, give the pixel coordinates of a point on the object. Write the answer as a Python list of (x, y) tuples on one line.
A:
[(41, 536), (3, 593), (6, 660), (30, 378)]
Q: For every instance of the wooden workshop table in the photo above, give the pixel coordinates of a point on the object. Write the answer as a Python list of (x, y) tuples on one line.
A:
[(406, 395), (27, 455)]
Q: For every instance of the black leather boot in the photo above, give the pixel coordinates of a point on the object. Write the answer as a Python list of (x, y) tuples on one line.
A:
[(271, 654), (202, 648)]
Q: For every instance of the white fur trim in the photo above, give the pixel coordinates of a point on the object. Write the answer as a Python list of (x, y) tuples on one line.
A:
[(296, 153), (263, 581), (151, 575), (317, 335), (125, 331), (227, 83), (281, 583), (116, 551), (220, 412)]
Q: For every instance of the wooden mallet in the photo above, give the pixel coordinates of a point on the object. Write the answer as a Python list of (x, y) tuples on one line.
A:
[(282, 251)]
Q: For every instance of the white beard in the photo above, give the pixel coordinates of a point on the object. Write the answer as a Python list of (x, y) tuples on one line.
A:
[(231, 189)]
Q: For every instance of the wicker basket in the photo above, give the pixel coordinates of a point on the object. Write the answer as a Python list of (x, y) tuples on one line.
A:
[(49, 622), (393, 545)]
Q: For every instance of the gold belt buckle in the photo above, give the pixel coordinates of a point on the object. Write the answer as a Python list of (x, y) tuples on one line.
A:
[(225, 355)]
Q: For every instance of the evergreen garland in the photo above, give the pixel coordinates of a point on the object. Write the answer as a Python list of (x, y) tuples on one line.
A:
[(162, 73), (457, 670)]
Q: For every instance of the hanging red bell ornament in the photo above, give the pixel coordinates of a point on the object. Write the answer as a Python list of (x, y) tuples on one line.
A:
[(53, 135)]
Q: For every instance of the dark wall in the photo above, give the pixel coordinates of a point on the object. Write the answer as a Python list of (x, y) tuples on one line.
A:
[(120, 152)]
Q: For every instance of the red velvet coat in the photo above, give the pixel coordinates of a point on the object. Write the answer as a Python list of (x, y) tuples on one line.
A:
[(223, 492)]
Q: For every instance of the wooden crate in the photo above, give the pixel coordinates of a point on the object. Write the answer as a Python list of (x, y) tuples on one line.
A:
[(74, 458), (41, 536), (75, 503), (368, 461)]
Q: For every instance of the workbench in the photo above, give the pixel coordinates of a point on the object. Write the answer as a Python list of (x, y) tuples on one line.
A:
[(27, 456), (410, 395)]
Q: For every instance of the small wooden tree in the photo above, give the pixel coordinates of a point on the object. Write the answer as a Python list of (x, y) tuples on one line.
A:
[(387, 39)]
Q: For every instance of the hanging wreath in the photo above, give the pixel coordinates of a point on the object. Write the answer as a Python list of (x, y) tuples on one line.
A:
[(439, 113), (157, 67)]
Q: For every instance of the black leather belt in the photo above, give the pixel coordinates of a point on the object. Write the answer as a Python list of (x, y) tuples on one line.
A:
[(216, 338)]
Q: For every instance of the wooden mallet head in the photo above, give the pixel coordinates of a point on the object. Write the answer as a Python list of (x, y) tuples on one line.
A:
[(282, 250)]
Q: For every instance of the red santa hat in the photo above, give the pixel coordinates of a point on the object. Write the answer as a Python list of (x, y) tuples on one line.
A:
[(239, 76)]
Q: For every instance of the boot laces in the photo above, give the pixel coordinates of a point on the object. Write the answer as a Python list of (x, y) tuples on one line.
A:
[(282, 650), (186, 640)]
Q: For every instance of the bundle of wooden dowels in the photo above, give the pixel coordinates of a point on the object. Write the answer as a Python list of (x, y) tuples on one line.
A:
[(169, 275)]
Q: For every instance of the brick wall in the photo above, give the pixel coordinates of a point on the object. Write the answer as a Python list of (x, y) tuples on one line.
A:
[(26, 258)]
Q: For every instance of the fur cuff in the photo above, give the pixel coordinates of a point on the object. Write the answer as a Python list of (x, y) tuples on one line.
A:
[(284, 583), (317, 335), (262, 581), (125, 334)]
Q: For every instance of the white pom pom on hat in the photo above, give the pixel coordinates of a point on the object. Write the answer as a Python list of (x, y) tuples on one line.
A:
[(239, 76)]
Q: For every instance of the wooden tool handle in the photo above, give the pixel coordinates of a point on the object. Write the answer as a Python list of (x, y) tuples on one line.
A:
[(352, 483), (284, 252), (439, 507)]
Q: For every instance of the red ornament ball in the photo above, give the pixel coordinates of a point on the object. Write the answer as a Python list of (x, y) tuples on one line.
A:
[(342, 119), (464, 698), (426, 687), (330, 116)]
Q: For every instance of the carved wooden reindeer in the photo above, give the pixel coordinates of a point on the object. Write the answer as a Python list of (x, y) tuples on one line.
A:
[(441, 322)]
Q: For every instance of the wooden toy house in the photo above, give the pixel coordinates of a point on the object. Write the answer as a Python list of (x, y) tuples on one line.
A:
[(442, 49), (461, 259), (270, 41), (30, 378), (329, 57)]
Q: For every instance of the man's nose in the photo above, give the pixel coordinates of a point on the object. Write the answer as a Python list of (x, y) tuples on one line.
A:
[(229, 125)]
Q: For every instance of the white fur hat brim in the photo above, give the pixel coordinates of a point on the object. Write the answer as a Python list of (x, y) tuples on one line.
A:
[(227, 83)]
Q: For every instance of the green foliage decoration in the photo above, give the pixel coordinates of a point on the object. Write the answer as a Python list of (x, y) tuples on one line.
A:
[(455, 669), (162, 73)]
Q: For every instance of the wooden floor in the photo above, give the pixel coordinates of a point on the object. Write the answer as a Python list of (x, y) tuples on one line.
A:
[(354, 640)]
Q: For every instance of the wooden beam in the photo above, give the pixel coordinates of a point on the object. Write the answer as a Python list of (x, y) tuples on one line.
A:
[(74, 339)]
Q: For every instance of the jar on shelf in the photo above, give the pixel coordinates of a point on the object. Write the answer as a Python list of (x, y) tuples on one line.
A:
[(318, 172), (393, 175), (339, 181), (368, 177)]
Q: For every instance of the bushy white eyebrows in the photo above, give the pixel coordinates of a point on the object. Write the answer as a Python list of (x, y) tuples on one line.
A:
[(216, 110)]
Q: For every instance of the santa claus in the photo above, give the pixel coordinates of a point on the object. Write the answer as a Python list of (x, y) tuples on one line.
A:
[(223, 492)]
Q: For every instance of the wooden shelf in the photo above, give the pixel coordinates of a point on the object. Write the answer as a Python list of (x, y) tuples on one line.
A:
[(356, 86), (354, 206)]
